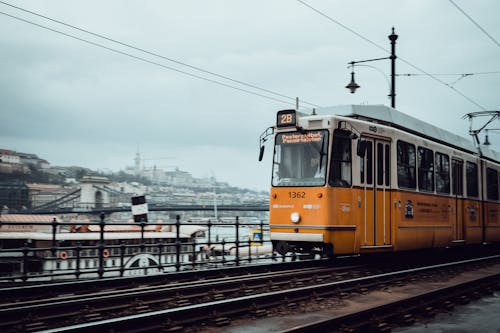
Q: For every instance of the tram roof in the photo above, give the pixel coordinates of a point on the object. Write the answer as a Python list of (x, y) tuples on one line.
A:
[(391, 117)]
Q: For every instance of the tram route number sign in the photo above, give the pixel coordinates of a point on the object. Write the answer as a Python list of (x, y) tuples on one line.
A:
[(286, 118)]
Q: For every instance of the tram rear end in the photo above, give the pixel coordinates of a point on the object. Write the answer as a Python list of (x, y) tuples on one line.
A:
[(310, 204)]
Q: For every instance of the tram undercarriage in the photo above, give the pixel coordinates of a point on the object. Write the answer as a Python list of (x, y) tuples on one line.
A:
[(283, 247)]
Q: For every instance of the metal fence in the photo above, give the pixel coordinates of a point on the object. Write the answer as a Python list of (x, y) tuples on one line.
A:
[(62, 250)]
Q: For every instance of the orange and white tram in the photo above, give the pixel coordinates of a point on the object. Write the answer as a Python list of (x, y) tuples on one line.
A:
[(366, 178)]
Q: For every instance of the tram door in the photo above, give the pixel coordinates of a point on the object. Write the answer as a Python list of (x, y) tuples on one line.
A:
[(457, 172), (375, 178)]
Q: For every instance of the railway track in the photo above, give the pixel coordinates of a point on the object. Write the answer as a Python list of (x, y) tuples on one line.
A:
[(66, 309), (219, 312), (16, 292), (405, 311), (216, 300)]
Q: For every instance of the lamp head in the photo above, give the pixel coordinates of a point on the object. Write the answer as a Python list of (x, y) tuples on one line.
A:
[(352, 86)]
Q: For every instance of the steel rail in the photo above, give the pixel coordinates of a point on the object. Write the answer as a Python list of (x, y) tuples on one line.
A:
[(64, 300), (60, 309), (42, 290), (155, 320), (379, 315)]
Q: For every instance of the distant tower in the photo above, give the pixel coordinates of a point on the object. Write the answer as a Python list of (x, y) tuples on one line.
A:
[(137, 161)]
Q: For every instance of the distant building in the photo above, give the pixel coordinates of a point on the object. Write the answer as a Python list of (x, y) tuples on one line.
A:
[(179, 178), (34, 160), (9, 156)]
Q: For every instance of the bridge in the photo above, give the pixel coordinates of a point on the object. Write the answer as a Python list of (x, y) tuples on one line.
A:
[(151, 207), (94, 196)]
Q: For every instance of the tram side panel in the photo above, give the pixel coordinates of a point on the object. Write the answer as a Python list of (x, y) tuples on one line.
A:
[(491, 204), (492, 225), (421, 221), (472, 220), (343, 220)]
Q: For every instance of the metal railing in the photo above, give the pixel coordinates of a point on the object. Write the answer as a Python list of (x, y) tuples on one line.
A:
[(61, 250)]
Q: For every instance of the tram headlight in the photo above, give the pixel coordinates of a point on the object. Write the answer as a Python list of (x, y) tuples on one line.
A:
[(295, 217)]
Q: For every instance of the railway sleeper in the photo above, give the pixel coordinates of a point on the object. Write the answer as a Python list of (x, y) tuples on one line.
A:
[(92, 317), (34, 326), (221, 321)]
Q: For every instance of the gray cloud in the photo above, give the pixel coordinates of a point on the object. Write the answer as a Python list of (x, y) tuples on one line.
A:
[(73, 103)]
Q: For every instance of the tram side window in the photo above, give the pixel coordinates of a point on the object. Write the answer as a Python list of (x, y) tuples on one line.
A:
[(406, 164), (442, 173), (366, 160), (340, 171), (492, 183), (425, 163), (471, 178), (369, 162), (380, 164), (387, 166), (457, 171)]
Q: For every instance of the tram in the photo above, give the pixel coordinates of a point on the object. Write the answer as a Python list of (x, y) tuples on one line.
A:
[(368, 178)]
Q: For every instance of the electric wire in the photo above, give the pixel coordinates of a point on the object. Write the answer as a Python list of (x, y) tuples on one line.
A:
[(451, 84), (449, 74), (156, 54), (387, 51), (475, 23), (146, 60)]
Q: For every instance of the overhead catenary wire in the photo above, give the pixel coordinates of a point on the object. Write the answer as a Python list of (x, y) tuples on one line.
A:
[(460, 76), (449, 74), (387, 51), (225, 77), (475, 23), (148, 61)]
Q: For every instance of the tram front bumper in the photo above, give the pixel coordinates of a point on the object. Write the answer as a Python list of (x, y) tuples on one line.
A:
[(297, 237)]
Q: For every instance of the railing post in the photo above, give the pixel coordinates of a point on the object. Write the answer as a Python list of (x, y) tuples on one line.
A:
[(237, 224), (122, 258), (78, 254), (261, 232), (100, 270), (249, 250), (193, 254), (54, 241), (25, 262), (160, 248), (223, 251), (177, 243), (143, 245), (209, 241)]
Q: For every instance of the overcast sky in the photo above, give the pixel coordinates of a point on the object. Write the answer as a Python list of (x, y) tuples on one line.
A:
[(77, 104)]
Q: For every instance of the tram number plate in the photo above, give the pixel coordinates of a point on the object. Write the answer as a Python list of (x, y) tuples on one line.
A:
[(296, 195)]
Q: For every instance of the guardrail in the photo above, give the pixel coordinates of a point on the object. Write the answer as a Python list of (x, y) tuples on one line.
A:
[(64, 250)]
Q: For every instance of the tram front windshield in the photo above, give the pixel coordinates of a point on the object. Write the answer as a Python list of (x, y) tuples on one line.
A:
[(300, 158)]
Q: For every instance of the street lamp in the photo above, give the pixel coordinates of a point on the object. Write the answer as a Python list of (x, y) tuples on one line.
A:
[(352, 86)]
